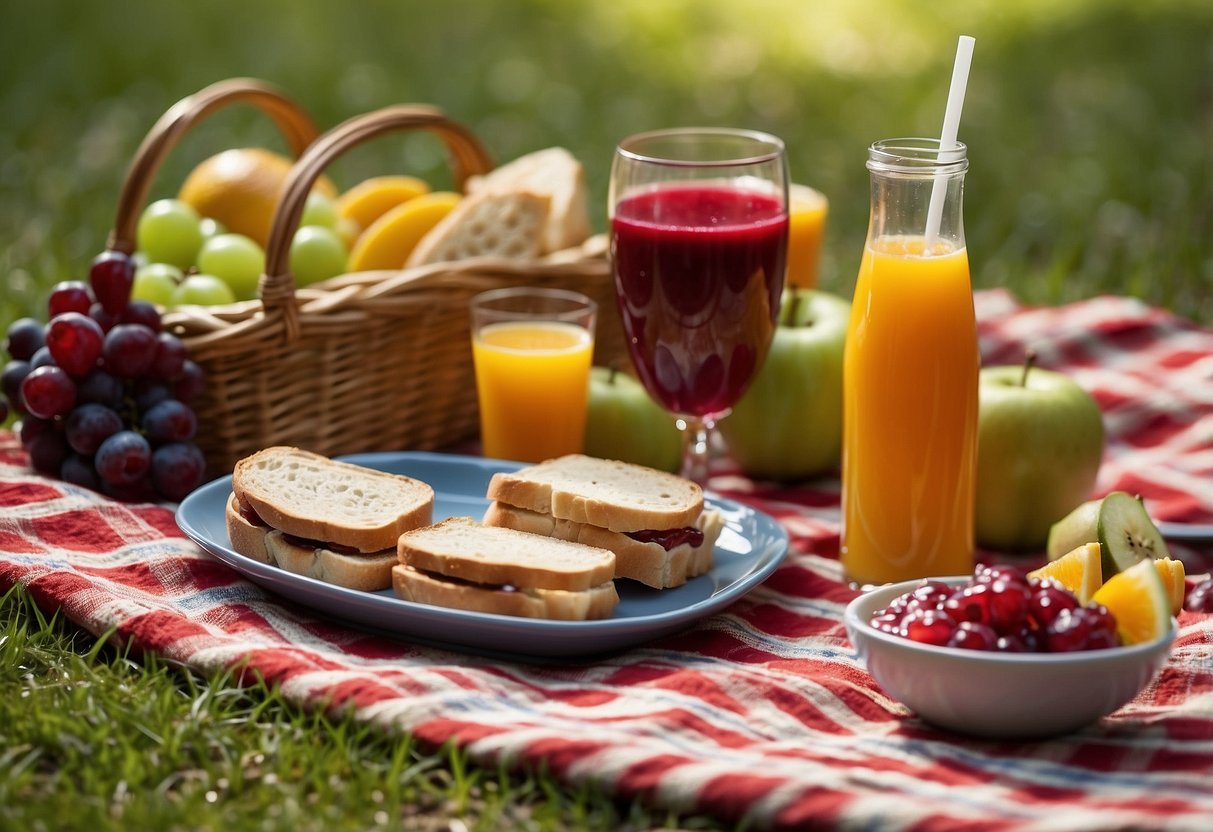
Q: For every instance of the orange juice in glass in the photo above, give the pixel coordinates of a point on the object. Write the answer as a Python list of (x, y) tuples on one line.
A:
[(532, 350), (910, 378), (807, 210)]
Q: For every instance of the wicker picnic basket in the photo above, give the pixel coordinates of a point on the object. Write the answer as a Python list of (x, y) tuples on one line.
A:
[(366, 361)]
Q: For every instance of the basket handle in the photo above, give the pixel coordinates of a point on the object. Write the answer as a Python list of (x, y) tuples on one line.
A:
[(296, 126), (468, 155)]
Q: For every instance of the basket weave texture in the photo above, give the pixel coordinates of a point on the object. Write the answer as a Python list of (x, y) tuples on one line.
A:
[(366, 361)]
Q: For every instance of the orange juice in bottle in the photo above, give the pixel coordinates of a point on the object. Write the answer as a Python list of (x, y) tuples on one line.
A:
[(910, 377)]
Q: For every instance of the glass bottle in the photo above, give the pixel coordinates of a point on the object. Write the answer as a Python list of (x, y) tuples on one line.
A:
[(910, 375)]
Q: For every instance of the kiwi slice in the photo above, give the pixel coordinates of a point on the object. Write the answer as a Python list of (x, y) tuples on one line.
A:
[(1077, 528), (1127, 535)]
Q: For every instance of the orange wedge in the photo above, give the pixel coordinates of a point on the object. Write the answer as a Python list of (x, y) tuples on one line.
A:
[(1079, 571), (1172, 574), (372, 198), (389, 240), (1139, 601)]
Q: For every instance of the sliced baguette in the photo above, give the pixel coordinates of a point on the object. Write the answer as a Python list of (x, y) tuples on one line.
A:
[(649, 563), (367, 572), (311, 496), (556, 604), (556, 173), (464, 550), (506, 224), (614, 495)]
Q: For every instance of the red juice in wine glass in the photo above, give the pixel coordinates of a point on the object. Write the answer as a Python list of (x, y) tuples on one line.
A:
[(698, 274)]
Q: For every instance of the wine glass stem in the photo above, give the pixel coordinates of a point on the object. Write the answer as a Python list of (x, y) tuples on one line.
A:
[(696, 448)]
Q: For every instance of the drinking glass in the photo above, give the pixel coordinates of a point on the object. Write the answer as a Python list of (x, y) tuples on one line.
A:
[(531, 348), (699, 229)]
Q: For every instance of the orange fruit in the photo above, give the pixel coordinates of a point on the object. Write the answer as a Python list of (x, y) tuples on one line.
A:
[(240, 188), (1079, 571), (1139, 601), (372, 198), (389, 240), (1172, 574)]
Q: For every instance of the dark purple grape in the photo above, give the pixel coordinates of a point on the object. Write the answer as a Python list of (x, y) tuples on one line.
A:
[(42, 358), (111, 276), (14, 373), (75, 342), (69, 296), (170, 421), (150, 393), (177, 469), (47, 452), (141, 312), (123, 458), (99, 387), (31, 427), (170, 356), (88, 426), (104, 319), (129, 350), (25, 336), (79, 470), (48, 392), (191, 383), (137, 491)]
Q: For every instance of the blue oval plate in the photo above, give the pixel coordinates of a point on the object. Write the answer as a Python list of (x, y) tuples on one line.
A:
[(749, 549)]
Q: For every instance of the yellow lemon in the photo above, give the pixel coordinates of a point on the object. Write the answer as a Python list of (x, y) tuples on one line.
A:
[(389, 240), (1139, 601), (372, 198), (240, 188), (1172, 574), (1079, 571)]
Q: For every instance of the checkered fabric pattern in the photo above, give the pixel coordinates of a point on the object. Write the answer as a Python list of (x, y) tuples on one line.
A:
[(761, 713)]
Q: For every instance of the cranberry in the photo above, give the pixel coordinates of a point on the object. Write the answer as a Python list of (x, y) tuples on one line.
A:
[(1008, 605), (1048, 599), (929, 627), (970, 603), (1200, 599), (1067, 633), (970, 635), (887, 622), (1000, 572)]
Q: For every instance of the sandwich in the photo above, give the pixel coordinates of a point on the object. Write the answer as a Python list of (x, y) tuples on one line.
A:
[(330, 520), (462, 564), (653, 521)]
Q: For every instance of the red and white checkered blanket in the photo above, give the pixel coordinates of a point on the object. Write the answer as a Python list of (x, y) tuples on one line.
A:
[(762, 712)]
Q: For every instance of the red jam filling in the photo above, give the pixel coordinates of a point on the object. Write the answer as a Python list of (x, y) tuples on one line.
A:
[(463, 582), (669, 538), (250, 514)]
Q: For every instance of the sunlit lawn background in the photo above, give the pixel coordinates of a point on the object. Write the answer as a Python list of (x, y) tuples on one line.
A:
[(1089, 122)]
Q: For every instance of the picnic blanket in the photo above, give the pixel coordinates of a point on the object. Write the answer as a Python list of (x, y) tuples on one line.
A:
[(763, 712)]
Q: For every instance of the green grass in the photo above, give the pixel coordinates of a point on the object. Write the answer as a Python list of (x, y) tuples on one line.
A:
[(91, 738), (1088, 124)]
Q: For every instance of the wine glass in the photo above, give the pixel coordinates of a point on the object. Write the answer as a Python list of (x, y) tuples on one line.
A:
[(699, 227)]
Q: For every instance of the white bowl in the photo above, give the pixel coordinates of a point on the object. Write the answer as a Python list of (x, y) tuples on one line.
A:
[(1000, 695)]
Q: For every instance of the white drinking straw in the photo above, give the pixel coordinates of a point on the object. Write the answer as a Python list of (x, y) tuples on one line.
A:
[(951, 126)]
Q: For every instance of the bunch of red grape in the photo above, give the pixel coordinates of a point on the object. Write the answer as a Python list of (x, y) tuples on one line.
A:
[(999, 609), (104, 394)]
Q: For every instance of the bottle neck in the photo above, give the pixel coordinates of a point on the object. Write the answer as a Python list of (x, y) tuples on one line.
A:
[(917, 192)]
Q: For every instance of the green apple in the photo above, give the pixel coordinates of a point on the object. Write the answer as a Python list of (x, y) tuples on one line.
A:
[(203, 290), (1039, 446), (623, 422), (788, 425)]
